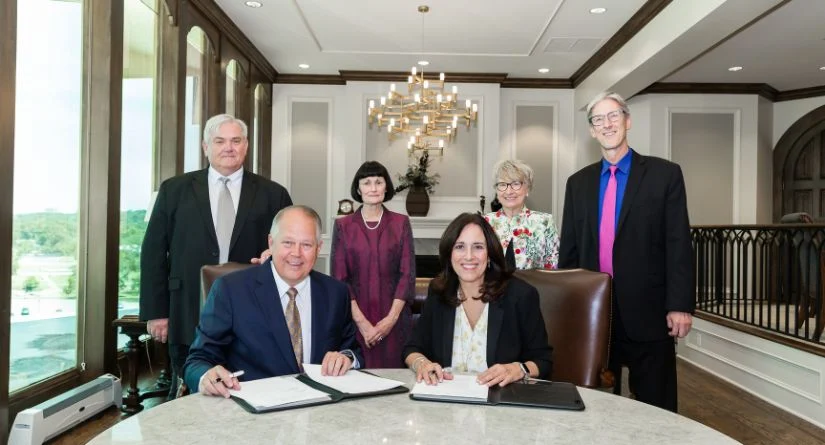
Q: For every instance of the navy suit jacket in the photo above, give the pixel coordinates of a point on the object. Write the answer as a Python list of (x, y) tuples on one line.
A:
[(242, 326)]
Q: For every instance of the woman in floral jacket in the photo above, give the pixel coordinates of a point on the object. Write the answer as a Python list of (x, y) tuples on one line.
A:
[(533, 235)]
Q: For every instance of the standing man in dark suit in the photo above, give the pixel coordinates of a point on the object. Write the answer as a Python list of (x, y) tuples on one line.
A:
[(269, 320), (210, 216), (626, 215)]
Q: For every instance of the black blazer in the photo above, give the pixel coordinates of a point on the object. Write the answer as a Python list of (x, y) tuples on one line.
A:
[(515, 330), (243, 326), (180, 238), (652, 254)]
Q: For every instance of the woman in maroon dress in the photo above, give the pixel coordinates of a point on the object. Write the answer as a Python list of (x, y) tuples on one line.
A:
[(372, 251)]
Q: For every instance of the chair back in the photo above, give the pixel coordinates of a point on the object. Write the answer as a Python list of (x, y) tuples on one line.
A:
[(211, 272), (576, 308), (422, 285)]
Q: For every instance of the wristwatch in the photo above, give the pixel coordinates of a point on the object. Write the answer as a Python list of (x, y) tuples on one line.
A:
[(525, 370)]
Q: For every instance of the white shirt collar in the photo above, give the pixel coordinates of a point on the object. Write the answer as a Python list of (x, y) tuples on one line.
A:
[(213, 175), (283, 286)]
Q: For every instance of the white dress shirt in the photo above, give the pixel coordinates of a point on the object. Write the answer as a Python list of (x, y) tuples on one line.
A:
[(234, 185), (304, 302)]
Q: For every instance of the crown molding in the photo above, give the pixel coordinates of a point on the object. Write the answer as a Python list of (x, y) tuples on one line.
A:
[(761, 89), (529, 82), (310, 79), (638, 21), (801, 93), (230, 30)]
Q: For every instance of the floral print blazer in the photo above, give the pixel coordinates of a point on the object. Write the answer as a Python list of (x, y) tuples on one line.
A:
[(536, 241)]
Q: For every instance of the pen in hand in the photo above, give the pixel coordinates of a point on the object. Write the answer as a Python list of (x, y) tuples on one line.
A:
[(234, 374)]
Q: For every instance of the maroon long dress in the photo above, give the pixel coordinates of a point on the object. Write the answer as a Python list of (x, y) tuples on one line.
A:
[(379, 267)]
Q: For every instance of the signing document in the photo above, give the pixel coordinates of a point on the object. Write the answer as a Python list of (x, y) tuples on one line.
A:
[(281, 392), (460, 388), (353, 382)]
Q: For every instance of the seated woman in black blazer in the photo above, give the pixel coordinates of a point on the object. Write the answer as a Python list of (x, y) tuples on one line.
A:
[(477, 317)]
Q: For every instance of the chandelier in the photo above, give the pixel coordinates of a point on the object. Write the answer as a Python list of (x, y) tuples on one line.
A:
[(426, 115)]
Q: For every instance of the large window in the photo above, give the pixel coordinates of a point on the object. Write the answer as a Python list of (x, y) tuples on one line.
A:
[(137, 144), (46, 190), (197, 50), (257, 134)]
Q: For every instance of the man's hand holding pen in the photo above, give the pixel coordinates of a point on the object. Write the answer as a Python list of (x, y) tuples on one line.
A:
[(218, 381)]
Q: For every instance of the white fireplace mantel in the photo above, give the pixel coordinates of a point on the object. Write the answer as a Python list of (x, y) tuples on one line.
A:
[(428, 227)]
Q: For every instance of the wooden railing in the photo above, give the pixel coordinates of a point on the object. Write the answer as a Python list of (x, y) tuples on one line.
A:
[(767, 276)]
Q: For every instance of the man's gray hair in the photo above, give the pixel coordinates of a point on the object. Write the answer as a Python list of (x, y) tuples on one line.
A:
[(513, 170), (306, 210), (214, 123), (607, 95)]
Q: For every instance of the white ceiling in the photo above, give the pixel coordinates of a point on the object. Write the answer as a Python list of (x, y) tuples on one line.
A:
[(785, 49), (516, 37)]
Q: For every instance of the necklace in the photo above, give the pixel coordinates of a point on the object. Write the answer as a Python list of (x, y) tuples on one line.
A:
[(376, 224)]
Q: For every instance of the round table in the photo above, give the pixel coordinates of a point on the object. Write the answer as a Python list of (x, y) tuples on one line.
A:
[(607, 419)]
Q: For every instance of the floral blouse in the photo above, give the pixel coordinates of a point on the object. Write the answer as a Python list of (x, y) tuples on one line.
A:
[(469, 345), (536, 241)]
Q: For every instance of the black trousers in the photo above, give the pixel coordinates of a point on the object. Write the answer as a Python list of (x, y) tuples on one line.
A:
[(651, 366), (177, 355)]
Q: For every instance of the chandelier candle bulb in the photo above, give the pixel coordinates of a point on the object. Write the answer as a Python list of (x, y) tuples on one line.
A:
[(427, 112)]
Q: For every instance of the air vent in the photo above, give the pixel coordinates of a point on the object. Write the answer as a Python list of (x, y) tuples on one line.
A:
[(572, 45)]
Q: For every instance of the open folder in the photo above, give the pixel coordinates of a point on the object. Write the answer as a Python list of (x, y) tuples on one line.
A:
[(310, 389), (533, 393)]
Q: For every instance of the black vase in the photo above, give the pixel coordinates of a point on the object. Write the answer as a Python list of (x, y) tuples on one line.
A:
[(418, 201)]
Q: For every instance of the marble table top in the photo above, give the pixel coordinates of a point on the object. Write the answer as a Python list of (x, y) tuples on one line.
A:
[(607, 419)]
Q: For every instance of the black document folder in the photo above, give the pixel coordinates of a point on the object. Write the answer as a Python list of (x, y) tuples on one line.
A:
[(331, 396), (533, 393)]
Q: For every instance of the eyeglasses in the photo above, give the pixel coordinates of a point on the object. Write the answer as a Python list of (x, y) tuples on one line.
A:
[(613, 117), (515, 185)]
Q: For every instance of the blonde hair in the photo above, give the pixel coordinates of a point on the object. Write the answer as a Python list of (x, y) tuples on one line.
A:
[(513, 170)]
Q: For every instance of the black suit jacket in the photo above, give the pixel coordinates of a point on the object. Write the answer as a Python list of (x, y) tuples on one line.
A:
[(243, 326), (515, 330), (180, 238), (652, 254)]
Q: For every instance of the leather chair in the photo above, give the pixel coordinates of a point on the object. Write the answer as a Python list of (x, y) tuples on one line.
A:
[(811, 263), (209, 274), (422, 285), (212, 272), (576, 308)]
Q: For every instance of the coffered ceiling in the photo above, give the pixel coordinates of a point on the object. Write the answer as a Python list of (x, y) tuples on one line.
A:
[(785, 48)]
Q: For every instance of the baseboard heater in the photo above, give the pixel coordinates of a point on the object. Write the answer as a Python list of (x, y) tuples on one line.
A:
[(40, 423)]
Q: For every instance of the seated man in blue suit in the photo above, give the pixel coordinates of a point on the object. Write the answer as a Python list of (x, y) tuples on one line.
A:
[(268, 320)]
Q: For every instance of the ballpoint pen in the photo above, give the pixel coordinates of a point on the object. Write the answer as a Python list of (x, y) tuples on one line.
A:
[(234, 374)]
